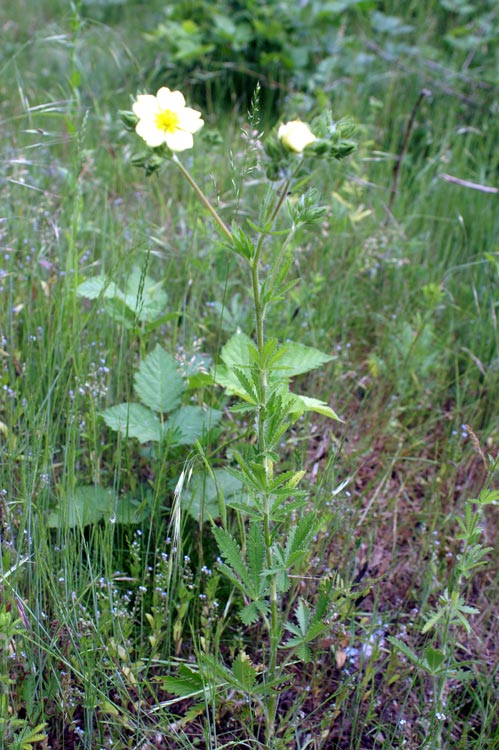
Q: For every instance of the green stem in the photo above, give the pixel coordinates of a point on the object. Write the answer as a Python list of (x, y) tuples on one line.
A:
[(266, 509), (202, 197), (266, 500)]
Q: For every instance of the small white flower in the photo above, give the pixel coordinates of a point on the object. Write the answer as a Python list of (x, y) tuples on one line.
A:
[(164, 118), (296, 135)]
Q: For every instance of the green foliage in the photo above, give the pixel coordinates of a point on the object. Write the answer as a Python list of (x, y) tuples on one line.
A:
[(142, 300), (240, 373), (110, 586), (160, 387), (207, 492), (89, 505)]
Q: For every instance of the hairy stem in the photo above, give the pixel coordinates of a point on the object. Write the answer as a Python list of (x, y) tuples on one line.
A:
[(202, 197)]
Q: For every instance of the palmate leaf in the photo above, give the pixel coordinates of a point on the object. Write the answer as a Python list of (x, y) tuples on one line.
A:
[(187, 684), (252, 612), (299, 538), (231, 553), (307, 629), (158, 383), (243, 670)]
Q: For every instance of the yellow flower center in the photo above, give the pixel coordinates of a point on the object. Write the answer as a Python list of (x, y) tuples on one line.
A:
[(167, 121)]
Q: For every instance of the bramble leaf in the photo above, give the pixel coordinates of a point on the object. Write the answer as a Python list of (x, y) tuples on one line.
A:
[(158, 383)]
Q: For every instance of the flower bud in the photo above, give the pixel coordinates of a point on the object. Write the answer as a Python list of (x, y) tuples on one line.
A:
[(296, 135)]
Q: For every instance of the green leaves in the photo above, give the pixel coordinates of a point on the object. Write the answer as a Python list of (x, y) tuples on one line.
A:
[(86, 505), (158, 382), (160, 387), (141, 299), (306, 629), (240, 375), (245, 573), (206, 491), (134, 421)]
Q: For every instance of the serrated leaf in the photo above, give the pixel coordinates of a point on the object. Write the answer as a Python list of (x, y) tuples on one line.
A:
[(231, 552), (98, 286), (256, 553), (236, 352), (191, 423), (200, 499), (83, 506), (158, 383), (252, 611), (187, 684), (487, 497), (227, 379), (134, 421), (405, 650), (299, 539), (302, 614), (244, 672), (297, 359), (305, 403)]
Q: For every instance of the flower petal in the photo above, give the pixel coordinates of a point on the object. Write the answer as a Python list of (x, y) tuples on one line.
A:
[(173, 100), (180, 140), (190, 120), (146, 105), (152, 135)]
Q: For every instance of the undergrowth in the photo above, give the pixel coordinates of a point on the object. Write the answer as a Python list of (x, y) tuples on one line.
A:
[(108, 592)]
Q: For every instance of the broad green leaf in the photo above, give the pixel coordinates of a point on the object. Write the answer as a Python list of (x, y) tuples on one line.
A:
[(132, 510), (236, 352), (298, 359), (191, 423), (133, 421), (99, 286), (158, 383), (227, 379), (83, 506), (200, 499), (144, 296), (305, 403), (434, 658)]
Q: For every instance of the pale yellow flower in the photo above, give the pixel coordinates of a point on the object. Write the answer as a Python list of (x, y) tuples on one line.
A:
[(296, 135), (164, 118)]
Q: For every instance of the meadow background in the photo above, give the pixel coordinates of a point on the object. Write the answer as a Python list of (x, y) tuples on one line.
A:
[(100, 601)]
